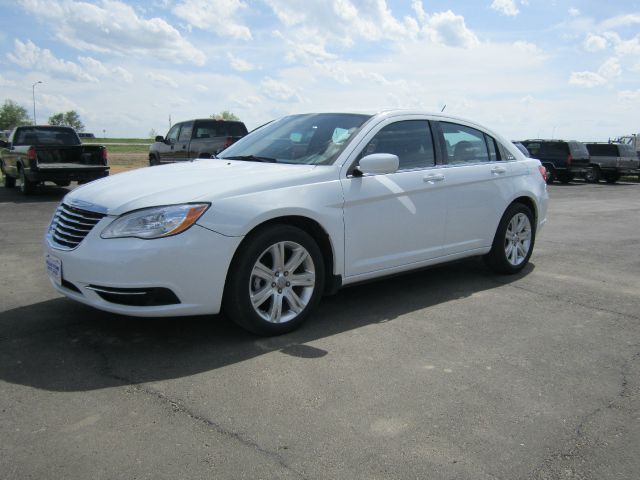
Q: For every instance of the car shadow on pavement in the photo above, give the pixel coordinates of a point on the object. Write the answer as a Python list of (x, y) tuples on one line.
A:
[(61, 345)]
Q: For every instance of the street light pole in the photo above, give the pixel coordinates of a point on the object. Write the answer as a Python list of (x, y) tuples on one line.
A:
[(33, 92)]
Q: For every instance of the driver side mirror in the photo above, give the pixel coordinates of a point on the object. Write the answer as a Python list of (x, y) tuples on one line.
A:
[(160, 138), (378, 163), (3, 144)]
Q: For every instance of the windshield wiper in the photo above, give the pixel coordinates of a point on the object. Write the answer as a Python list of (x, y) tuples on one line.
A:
[(252, 158)]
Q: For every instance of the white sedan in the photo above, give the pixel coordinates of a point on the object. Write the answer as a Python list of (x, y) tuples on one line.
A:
[(297, 208)]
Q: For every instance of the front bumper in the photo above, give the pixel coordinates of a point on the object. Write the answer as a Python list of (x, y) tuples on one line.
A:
[(192, 265)]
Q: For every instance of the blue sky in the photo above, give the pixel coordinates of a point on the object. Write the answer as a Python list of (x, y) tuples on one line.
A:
[(526, 68)]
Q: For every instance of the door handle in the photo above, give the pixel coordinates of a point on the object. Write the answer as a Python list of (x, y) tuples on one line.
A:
[(498, 170), (433, 178)]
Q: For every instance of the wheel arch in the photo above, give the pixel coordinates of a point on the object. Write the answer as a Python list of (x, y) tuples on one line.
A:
[(529, 203), (317, 232)]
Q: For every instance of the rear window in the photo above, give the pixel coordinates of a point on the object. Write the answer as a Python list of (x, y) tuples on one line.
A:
[(46, 136), (603, 149), (218, 128)]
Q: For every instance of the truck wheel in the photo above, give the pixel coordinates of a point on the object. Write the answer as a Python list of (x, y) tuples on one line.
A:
[(551, 175), (275, 281), (565, 177), (9, 182), (611, 177), (593, 175), (153, 160), (26, 186)]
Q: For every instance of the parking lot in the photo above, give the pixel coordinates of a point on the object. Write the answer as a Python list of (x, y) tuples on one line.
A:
[(448, 373)]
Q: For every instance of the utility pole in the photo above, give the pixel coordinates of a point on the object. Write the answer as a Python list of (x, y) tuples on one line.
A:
[(33, 93)]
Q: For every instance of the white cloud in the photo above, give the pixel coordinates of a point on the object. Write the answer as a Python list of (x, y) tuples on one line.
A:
[(279, 91), (621, 21), (586, 79), (4, 82), (574, 12), (610, 69), (161, 79), (238, 64), (629, 95), (594, 43), (112, 26), (629, 47), (29, 55), (447, 28), (217, 16), (505, 7)]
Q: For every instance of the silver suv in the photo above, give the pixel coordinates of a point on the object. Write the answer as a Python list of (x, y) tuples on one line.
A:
[(609, 161)]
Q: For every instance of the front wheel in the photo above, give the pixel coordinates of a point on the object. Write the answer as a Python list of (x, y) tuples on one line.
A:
[(9, 182), (513, 243), (275, 280)]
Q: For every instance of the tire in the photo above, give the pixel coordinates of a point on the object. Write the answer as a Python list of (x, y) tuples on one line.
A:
[(26, 186), (565, 177), (259, 296), (593, 175), (514, 240), (611, 177), (9, 182), (551, 175), (63, 184), (153, 160)]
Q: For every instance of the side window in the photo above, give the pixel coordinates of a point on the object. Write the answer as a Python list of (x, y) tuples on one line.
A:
[(185, 132), (172, 136), (410, 140), (535, 148), (465, 144)]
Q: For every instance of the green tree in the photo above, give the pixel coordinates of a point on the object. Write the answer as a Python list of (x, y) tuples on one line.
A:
[(13, 115), (225, 115), (67, 119)]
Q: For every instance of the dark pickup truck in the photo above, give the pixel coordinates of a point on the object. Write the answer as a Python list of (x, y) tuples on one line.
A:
[(36, 154), (199, 138)]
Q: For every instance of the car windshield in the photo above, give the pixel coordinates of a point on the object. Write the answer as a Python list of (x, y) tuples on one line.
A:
[(311, 139)]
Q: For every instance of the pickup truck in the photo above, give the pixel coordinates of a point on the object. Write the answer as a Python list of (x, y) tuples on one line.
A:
[(200, 138), (35, 154), (610, 161)]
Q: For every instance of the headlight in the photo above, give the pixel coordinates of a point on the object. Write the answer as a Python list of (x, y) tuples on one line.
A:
[(156, 222)]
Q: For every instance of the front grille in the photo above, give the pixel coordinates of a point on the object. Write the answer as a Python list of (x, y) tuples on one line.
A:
[(70, 225)]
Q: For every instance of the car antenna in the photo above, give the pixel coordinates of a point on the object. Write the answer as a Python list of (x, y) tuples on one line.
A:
[(445, 106)]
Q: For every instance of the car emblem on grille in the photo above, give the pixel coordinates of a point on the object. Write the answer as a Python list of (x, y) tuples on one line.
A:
[(80, 203)]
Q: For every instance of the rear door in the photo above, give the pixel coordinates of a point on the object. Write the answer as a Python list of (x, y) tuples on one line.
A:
[(478, 187)]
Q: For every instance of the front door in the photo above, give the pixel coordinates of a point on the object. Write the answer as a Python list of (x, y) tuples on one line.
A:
[(395, 219)]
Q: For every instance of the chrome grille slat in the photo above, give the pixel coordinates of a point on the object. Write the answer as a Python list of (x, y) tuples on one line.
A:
[(71, 225)]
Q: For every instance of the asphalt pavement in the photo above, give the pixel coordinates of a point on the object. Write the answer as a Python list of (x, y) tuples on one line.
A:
[(447, 373)]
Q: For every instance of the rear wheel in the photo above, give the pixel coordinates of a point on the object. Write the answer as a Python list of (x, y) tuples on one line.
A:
[(611, 177), (513, 243), (592, 175), (26, 186), (275, 281)]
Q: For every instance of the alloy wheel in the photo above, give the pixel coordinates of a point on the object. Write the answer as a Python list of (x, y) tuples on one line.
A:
[(517, 240)]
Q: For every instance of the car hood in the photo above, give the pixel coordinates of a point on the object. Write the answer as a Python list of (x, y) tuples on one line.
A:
[(198, 181)]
